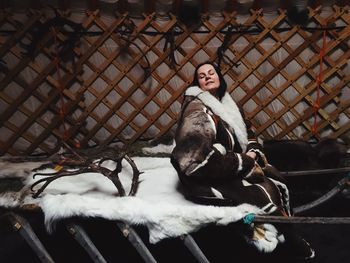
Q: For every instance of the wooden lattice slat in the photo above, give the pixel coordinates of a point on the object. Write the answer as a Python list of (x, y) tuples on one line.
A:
[(70, 77), (101, 107)]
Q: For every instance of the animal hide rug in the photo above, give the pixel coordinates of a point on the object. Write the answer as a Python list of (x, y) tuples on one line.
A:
[(158, 204)]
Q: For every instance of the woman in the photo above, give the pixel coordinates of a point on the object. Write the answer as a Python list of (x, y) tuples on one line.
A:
[(217, 157)]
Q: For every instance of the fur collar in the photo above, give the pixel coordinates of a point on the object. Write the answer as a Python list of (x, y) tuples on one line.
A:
[(226, 109)]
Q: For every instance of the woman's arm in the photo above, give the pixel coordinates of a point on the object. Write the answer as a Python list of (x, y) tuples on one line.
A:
[(254, 148), (196, 153)]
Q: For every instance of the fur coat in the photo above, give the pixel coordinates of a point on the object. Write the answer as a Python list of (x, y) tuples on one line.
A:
[(211, 144), (210, 158)]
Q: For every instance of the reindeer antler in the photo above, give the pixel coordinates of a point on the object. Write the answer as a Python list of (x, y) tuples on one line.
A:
[(81, 165), (50, 177), (136, 174)]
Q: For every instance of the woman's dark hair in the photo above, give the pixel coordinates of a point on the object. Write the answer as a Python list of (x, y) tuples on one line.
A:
[(223, 85)]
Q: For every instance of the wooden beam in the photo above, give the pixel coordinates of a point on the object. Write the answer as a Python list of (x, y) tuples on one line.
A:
[(193, 247), (80, 235), (21, 225), (341, 185), (301, 220), (131, 235)]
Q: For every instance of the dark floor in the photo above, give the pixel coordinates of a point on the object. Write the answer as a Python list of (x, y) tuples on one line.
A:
[(220, 244)]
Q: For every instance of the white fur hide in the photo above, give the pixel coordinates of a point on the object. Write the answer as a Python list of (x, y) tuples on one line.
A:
[(160, 148), (158, 203)]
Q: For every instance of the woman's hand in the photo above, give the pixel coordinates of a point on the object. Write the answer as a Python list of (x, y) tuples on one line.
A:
[(257, 176), (251, 154)]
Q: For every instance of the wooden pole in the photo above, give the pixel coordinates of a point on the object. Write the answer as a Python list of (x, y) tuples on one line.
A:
[(342, 184), (194, 248), (25, 230), (316, 172), (84, 240), (301, 220), (136, 241)]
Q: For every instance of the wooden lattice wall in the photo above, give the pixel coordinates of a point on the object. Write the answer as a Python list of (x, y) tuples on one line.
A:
[(104, 98)]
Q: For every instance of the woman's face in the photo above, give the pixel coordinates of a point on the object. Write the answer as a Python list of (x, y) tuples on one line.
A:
[(208, 78)]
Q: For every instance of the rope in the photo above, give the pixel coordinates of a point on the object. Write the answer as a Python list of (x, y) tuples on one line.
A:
[(249, 218), (319, 79), (62, 111)]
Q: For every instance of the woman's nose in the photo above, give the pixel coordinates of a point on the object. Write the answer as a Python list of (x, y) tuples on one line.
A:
[(207, 77)]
